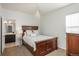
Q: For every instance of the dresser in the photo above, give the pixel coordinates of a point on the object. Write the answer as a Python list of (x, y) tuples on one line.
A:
[(10, 37), (72, 41)]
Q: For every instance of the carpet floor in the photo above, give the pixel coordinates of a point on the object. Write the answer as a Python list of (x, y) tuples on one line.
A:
[(23, 51)]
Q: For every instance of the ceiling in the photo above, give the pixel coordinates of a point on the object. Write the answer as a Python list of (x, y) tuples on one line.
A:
[(33, 7)]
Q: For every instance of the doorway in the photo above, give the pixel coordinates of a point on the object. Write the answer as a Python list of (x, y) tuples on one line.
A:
[(0, 35)]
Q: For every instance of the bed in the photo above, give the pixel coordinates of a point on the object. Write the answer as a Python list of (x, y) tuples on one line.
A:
[(38, 45)]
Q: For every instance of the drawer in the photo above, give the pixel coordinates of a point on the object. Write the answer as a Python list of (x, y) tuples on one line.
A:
[(41, 48), (10, 36), (49, 45), (49, 41), (40, 43)]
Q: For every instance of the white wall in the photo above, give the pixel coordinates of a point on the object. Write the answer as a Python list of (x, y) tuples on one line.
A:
[(54, 23), (21, 19)]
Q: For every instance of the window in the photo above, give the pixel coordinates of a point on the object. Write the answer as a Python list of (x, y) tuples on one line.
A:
[(72, 22)]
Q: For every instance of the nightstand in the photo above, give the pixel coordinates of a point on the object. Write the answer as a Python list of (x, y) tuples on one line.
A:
[(10, 37)]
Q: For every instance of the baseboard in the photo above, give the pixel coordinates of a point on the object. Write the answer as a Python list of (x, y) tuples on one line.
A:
[(62, 48)]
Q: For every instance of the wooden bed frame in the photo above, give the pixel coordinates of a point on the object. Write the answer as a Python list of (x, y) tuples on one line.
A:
[(42, 47)]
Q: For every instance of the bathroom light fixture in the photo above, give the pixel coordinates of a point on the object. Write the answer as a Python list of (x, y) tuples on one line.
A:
[(9, 22), (5, 22)]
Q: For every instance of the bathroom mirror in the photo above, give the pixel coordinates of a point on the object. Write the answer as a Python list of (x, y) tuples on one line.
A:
[(10, 26), (9, 29)]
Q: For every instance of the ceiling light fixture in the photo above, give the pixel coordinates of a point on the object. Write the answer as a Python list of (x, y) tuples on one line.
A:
[(37, 13)]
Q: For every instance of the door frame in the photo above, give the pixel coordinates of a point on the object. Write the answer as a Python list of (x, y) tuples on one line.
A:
[(1, 33)]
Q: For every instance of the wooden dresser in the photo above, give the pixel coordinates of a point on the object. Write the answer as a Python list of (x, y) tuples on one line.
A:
[(72, 44)]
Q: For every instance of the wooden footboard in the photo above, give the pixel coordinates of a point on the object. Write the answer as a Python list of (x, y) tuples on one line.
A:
[(43, 47)]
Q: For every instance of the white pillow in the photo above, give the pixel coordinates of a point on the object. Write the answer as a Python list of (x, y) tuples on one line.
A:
[(28, 32), (33, 34), (36, 32)]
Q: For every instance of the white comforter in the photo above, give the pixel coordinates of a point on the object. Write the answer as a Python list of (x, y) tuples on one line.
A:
[(31, 40)]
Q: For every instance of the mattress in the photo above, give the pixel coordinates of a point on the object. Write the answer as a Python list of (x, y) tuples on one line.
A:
[(31, 40), (40, 38)]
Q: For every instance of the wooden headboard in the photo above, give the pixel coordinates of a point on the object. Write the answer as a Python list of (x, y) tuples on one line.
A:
[(24, 28)]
